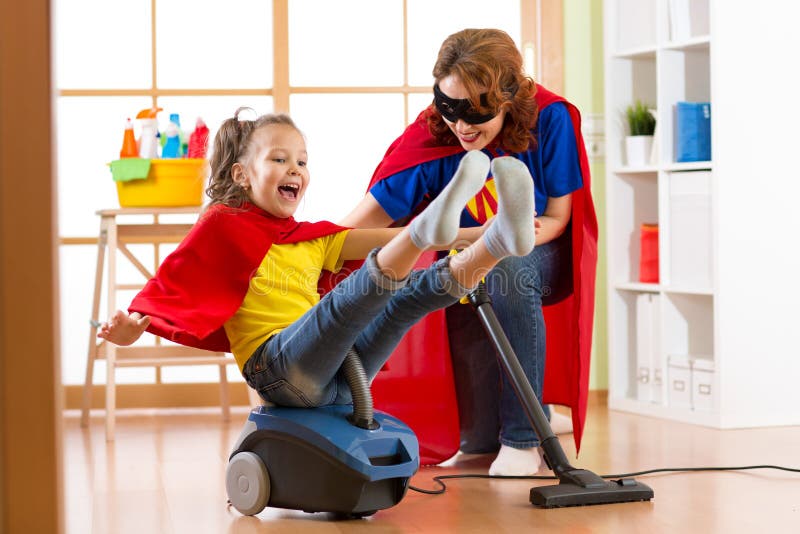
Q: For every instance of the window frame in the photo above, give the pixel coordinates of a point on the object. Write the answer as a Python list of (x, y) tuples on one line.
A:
[(541, 36), (541, 40)]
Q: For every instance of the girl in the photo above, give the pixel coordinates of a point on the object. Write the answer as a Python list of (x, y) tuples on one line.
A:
[(245, 278)]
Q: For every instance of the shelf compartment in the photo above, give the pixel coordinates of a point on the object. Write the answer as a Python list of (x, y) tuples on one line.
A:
[(689, 236), (636, 78), (636, 24), (622, 337), (688, 19), (688, 325), (635, 202), (650, 368), (685, 75), (690, 382)]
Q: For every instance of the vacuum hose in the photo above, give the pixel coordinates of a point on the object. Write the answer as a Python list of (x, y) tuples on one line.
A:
[(356, 378)]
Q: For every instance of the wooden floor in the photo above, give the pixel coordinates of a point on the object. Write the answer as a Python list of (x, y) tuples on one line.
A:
[(165, 474)]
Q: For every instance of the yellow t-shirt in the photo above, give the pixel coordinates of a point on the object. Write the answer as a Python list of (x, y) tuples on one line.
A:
[(282, 289)]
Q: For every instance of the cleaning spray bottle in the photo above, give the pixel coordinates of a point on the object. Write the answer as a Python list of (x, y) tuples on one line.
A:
[(129, 148), (148, 141)]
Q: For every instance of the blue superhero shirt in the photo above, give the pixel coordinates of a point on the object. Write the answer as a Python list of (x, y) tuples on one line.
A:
[(553, 163)]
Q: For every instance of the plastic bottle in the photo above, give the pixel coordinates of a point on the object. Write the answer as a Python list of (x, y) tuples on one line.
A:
[(129, 148), (148, 141), (198, 141), (172, 145), (184, 140), (176, 118)]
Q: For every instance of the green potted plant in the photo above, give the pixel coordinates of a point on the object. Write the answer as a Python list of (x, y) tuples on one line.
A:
[(641, 125)]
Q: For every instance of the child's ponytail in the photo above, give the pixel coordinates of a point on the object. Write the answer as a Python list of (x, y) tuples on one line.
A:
[(229, 144)]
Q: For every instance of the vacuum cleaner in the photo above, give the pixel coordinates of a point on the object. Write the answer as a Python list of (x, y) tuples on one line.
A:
[(347, 459), (576, 487), (354, 463)]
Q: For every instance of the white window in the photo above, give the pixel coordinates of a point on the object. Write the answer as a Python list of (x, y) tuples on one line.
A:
[(358, 72)]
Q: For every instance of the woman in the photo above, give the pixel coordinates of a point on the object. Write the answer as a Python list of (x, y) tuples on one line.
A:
[(483, 101)]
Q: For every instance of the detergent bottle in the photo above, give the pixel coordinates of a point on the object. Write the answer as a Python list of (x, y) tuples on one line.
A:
[(129, 148), (164, 136), (198, 141), (172, 144), (148, 141), (184, 139)]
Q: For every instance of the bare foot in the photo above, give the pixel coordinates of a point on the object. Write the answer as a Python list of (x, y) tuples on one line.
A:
[(124, 329)]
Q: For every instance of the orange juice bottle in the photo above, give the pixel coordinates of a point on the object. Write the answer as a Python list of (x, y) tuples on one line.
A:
[(129, 148)]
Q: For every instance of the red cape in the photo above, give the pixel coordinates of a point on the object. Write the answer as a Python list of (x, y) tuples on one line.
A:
[(203, 282), (569, 322)]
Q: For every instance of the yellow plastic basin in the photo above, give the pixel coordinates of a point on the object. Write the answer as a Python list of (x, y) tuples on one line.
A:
[(170, 182)]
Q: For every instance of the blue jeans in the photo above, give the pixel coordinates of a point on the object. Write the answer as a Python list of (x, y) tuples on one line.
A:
[(490, 413), (299, 366)]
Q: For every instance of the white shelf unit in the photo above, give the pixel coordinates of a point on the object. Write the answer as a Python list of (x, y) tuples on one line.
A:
[(704, 345)]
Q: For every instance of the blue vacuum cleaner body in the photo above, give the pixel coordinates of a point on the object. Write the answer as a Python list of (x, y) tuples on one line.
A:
[(319, 460)]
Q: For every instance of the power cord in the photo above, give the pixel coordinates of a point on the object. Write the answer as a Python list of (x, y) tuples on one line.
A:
[(443, 488)]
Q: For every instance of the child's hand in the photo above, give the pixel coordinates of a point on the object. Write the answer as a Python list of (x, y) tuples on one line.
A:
[(537, 224), (124, 329)]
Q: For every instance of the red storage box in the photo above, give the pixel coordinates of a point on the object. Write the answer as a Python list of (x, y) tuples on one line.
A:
[(648, 258)]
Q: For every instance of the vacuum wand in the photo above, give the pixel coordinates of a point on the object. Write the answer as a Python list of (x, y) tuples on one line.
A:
[(577, 487), (554, 454)]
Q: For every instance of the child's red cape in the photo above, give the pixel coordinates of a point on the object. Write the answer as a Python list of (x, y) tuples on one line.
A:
[(203, 282), (569, 322)]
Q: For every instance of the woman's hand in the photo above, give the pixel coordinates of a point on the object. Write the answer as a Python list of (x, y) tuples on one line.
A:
[(555, 219), (124, 329)]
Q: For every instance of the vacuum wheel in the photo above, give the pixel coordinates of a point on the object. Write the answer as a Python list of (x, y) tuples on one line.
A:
[(247, 482)]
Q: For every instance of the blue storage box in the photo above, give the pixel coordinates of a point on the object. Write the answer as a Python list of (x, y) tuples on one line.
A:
[(692, 131)]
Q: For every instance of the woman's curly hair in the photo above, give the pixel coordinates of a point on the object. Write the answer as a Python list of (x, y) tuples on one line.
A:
[(487, 61)]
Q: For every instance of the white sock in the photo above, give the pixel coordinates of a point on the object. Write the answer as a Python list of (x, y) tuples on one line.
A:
[(560, 423), (513, 231), (438, 224), (516, 462)]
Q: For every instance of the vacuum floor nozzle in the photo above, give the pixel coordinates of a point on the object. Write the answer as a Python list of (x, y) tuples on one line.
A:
[(604, 492)]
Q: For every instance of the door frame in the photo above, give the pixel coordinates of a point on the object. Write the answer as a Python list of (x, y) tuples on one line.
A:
[(31, 488)]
